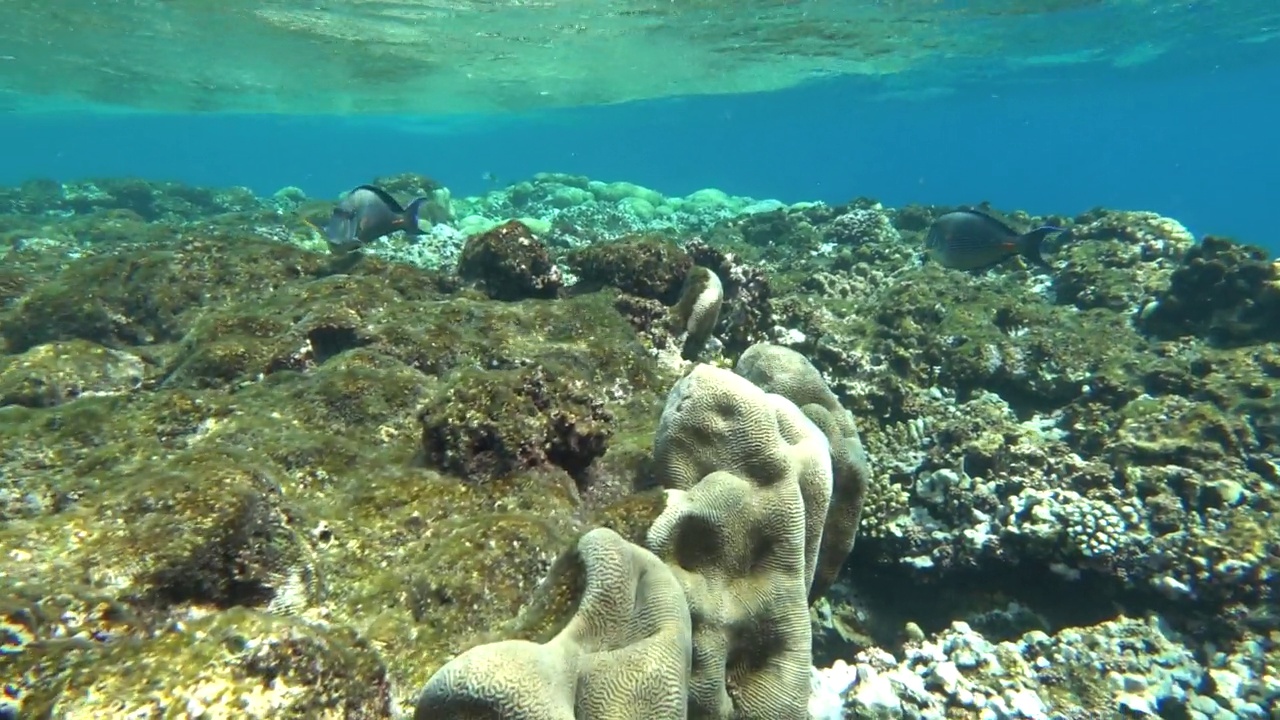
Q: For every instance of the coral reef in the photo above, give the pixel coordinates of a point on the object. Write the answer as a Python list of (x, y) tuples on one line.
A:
[(720, 630), (787, 373), (1224, 292), (628, 659), (698, 311), (509, 263), (492, 423), (241, 477)]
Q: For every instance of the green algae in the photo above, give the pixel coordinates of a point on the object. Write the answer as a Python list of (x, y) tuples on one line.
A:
[(235, 663), (631, 516), (491, 423), (270, 457), (149, 296), (950, 329), (52, 374), (509, 263), (645, 266), (424, 564), (165, 534)]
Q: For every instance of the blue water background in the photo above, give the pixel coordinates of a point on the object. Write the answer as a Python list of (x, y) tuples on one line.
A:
[(1201, 146)]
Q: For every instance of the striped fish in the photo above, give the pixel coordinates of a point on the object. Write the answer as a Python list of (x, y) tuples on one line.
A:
[(973, 240)]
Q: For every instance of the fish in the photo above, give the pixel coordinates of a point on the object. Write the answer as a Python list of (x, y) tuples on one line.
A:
[(366, 214), (973, 240)]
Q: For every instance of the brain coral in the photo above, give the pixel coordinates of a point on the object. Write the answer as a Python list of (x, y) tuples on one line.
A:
[(743, 538), (784, 371), (624, 655), (749, 481)]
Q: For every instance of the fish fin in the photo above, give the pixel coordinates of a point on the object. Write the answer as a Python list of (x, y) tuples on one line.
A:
[(1031, 242), (383, 195), (411, 216), (990, 218)]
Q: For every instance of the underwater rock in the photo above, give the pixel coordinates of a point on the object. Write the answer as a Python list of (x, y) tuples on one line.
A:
[(1080, 673), (260, 665), (148, 296), (647, 267), (650, 319), (48, 375), (150, 200), (1118, 260), (794, 230), (862, 225), (1008, 424), (221, 537), (509, 263), (491, 423), (1223, 291), (915, 218)]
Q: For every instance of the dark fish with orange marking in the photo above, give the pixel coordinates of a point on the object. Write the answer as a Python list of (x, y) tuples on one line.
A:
[(366, 214), (973, 240)]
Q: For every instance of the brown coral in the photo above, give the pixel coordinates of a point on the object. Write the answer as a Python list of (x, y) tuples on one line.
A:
[(488, 424), (509, 263)]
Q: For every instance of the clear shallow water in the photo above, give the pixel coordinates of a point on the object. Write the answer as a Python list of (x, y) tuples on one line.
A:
[(1156, 483), (458, 56), (1194, 143)]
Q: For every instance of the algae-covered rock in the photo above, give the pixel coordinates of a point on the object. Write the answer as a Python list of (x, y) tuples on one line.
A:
[(220, 535), (491, 423), (58, 372), (211, 430), (509, 263), (1118, 260), (304, 324), (1023, 416), (647, 267), (153, 200), (271, 455), (150, 296), (1223, 291), (235, 663), (862, 225)]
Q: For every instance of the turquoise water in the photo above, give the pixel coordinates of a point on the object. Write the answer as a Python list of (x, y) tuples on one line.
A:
[(1191, 136), (661, 306)]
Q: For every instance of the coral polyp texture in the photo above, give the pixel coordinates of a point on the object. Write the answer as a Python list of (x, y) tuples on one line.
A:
[(787, 373), (749, 480), (583, 449), (626, 654), (722, 630)]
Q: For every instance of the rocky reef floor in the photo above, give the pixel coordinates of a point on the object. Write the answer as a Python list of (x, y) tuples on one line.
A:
[(241, 476)]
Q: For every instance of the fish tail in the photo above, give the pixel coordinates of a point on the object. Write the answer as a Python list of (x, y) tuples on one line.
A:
[(411, 216), (1033, 240)]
